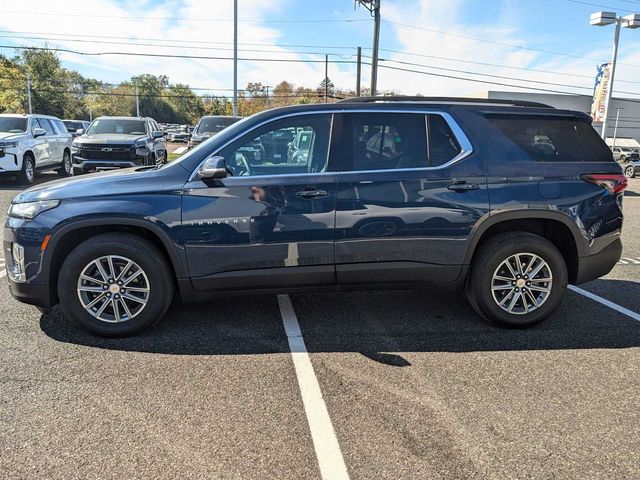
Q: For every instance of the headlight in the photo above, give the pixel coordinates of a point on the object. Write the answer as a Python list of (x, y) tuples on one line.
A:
[(75, 148), (31, 210), (8, 144)]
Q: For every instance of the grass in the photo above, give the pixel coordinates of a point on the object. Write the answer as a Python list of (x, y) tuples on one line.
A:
[(174, 156)]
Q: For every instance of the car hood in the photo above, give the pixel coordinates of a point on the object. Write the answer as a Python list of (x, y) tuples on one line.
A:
[(10, 136), (114, 182), (115, 138)]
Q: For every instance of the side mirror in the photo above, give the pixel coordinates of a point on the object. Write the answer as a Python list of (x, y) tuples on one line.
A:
[(39, 132), (80, 131), (157, 134), (212, 168)]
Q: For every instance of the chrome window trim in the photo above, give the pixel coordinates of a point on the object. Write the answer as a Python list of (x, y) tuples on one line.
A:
[(466, 148)]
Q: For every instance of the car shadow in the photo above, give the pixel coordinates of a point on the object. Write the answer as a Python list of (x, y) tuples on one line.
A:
[(10, 182), (373, 323)]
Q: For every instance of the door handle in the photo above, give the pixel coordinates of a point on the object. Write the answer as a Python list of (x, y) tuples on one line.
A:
[(463, 186), (312, 194)]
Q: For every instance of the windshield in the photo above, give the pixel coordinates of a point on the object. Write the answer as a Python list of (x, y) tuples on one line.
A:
[(72, 126), (114, 125), (215, 124), (13, 124)]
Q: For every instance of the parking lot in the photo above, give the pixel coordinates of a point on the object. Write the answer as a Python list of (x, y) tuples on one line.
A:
[(415, 386)]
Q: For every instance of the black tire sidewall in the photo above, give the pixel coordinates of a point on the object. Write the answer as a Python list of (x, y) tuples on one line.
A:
[(496, 253), (24, 177), (145, 255)]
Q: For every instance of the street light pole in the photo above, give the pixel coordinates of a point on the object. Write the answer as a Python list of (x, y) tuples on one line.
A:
[(600, 19), (137, 99), (29, 91), (235, 58), (612, 72), (374, 7), (615, 128)]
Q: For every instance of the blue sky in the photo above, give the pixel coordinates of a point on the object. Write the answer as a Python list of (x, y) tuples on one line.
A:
[(443, 25)]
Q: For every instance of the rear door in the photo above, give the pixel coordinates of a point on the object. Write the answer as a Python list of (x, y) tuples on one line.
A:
[(54, 146), (408, 198), (269, 223)]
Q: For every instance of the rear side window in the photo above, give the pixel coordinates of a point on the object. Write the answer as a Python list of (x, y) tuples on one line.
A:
[(443, 146), (60, 126), (386, 141), (553, 139)]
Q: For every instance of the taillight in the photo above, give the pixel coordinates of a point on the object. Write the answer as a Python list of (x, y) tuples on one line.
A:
[(613, 182)]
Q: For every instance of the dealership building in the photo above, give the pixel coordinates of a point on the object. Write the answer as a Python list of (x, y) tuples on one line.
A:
[(628, 131)]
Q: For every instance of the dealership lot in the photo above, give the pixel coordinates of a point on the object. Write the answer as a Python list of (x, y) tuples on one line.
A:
[(415, 385)]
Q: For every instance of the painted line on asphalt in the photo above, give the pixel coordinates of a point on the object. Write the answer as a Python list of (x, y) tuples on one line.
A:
[(607, 303), (3, 270), (325, 442)]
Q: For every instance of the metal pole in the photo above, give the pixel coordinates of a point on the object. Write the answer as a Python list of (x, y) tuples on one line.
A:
[(29, 92), (326, 77), (376, 44), (615, 128), (235, 58), (358, 70), (267, 87), (90, 114), (137, 99), (614, 57)]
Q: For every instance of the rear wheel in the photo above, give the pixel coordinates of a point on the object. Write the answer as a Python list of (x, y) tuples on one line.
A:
[(66, 170), (629, 171), (115, 285), (28, 172), (517, 279)]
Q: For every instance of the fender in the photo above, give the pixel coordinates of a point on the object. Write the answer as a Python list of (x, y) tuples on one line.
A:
[(178, 261), (491, 219)]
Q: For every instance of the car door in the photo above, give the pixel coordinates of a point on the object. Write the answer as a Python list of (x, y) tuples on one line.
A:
[(41, 146), (268, 224), (409, 195), (51, 138)]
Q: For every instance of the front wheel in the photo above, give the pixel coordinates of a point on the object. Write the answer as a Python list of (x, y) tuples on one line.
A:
[(28, 172), (115, 285), (517, 279)]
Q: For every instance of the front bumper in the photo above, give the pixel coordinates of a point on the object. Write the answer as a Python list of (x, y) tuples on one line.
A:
[(9, 160), (89, 165), (38, 295)]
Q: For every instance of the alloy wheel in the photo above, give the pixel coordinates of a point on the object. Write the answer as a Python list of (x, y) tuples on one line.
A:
[(113, 289), (522, 283)]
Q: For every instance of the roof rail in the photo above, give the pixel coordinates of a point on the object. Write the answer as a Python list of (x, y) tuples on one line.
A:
[(404, 98)]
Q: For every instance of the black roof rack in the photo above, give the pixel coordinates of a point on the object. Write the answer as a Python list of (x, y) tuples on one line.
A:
[(404, 98)]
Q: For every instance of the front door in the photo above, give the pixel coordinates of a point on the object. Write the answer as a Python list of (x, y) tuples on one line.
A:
[(408, 198), (270, 223)]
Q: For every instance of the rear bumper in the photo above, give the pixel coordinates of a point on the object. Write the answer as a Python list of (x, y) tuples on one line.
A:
[(599, 264)]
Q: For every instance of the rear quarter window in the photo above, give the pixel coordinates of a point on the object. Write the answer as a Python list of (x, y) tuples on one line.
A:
[(553, 138)]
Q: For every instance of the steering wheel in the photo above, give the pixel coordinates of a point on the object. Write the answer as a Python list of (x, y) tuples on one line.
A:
[(243, 166)]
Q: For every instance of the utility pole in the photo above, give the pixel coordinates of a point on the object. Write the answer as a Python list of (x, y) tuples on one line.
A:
[(374, 8), (615, 128), (90, 114), (267, 88), (135, 80), (235, 58), (326, 77), (29, 92), (358, 70)]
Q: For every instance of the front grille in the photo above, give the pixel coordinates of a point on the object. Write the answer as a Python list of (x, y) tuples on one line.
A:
[(107, 152)]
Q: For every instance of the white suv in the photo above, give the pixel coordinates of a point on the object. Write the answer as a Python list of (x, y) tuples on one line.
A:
[(34, 142)]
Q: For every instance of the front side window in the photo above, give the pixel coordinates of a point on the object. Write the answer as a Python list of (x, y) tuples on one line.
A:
[(13, 124), (291, 145), (117, 126), (382, 141), (46, 124), (553, 138)]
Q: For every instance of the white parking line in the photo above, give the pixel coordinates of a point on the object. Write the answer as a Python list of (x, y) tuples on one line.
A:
[(608, 303), (632, 260), (3, 270), (325, 442)]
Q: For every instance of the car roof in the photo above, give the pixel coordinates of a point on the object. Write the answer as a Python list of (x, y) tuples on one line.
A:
[(28, 115), (122, 117)]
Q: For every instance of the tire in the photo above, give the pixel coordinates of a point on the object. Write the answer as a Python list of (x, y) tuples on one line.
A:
[(489, 263), (67, 169), (156, 278), (629, 171), (28, 172)]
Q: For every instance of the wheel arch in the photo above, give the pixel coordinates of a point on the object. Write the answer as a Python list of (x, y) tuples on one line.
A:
[(555, 227), (66, 239)]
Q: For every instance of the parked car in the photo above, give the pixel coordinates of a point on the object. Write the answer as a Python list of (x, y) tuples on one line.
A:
[(76, 127), (118, 142), (179, 137), (629, 158), (209, 126), (30, 143), (395, 192)]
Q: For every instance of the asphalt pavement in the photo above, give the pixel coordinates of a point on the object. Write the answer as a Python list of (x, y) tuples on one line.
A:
[(415, 385)]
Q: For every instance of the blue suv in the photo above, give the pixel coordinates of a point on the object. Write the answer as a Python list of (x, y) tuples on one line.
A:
[(508, 201)]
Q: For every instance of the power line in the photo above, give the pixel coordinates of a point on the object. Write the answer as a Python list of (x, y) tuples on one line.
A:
[(188, 19), (580, 2)]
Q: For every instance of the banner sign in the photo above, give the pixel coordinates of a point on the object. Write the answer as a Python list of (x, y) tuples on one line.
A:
[(600, 92)]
